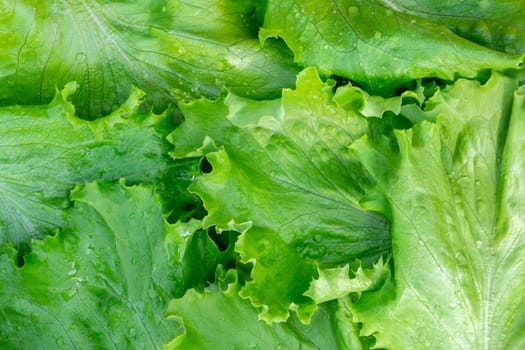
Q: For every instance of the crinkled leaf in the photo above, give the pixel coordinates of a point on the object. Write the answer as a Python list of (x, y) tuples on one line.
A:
[(337, 283), (45, 150), (356, 99), (221, 319), (169, 48), (103, 282), (283, 175), (202, 255), (455, 189), (378, 44)]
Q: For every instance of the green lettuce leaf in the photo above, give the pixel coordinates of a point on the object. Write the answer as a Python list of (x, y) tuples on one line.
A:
[(497, 24), (169, 49), (219, 318), (45, 150), (377, 44), (282, 174), (202, 255), (337, 283), (103, 282), (455, 189)]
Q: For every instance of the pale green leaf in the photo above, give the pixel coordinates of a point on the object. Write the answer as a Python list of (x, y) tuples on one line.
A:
[(455, 189), (337, 283)]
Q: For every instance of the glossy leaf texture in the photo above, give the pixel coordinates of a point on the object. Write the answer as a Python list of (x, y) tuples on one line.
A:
[(497, 24), (104, 281), (171, 49), (455, 188), (46, 150), (384, 46), (206, 323), (283, 176)]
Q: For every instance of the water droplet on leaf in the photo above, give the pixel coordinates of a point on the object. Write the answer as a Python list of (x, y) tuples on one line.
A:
[(61, 343), (132, 332), (353, 11)]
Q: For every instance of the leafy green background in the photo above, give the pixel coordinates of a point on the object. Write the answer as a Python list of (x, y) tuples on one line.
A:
[(101, 282), (46, 149), (457, 229), (385, 46), (380, 209), (170, 49), (283, 176)]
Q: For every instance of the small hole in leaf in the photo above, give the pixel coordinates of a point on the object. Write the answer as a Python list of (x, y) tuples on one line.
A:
[(23, 250), (20, 259), (339, 81), (205, 166), (222, 240)]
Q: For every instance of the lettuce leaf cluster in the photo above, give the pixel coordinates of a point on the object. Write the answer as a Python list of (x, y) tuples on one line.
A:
[(262, 174)]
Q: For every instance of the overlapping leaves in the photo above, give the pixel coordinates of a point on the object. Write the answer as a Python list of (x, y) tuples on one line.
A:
[(383, 45), (205, 323), (455, 189), (103, 281), (171, 49), (284, 176), (386, 218), (45, 150)]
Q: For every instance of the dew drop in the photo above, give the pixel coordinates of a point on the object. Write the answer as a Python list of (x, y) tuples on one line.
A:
[(353, 11), (313, 251), (325, 155), (262, 246), (73, 269), (61, 343), (69, 294)]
